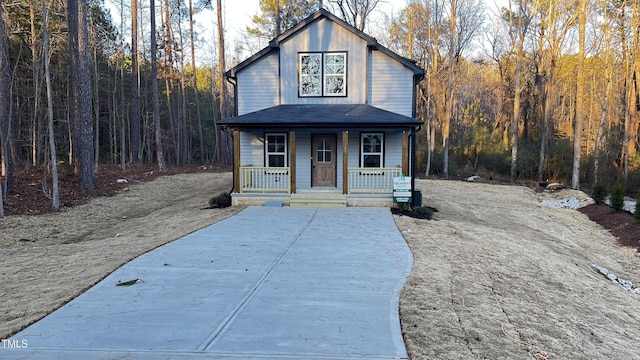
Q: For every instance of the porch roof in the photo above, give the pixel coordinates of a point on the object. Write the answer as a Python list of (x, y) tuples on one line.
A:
[(342, 116)]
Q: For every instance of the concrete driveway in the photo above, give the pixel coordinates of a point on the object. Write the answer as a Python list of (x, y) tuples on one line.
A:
[(268, 283)]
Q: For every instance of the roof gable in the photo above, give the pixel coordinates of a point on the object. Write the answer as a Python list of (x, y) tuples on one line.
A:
[(372, 43)]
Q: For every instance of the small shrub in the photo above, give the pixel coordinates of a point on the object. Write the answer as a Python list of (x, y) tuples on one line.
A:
[(617, 198), (599, 193), (221, 200), (424, 212)]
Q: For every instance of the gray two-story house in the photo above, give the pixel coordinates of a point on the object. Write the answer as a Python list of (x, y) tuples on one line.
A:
[(325, 117)]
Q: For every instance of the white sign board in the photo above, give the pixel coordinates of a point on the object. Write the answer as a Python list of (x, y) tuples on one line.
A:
[(402, 189)]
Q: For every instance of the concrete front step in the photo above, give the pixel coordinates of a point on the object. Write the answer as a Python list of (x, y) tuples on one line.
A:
[(318, 200)]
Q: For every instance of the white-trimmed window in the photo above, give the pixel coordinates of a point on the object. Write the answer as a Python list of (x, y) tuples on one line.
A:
[(372, 150), (323, 74), (276, 150)]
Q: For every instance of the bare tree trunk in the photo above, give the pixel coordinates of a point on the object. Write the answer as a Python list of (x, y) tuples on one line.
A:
[(123, 158), (73, 96), (221, 67), (450, 94), (609, 65), (134, 145), (195, 83), (55, 197), (96, 112), (36, 126), (184, 114), (168, 80), (522, 19), (85, 123), (580, 96), (5, 78), (162, 166)]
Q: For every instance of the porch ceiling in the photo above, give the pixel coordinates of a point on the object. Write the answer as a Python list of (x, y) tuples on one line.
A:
[(343, 116)]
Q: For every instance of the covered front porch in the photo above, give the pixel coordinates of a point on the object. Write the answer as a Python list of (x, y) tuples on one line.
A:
[(303, 182)]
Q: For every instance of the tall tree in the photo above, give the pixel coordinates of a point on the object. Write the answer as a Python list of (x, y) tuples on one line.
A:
[(356, 12), (135, 146), (84, 121), (162, 166), (55, 196), (5, 78), (6, 112), (195, 83), (580, 95), (291, 12), (450, 98), (221, 79), (518, 21)]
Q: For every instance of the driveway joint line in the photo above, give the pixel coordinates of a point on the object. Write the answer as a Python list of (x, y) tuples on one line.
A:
[(215, 335)]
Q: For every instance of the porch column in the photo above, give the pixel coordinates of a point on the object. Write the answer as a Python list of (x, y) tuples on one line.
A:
[(405, 153), (345, 162), (292, 161), (236, 161)]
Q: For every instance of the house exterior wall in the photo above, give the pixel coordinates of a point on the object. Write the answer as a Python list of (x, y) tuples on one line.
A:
[(303, 160), (390, 84), (258, 85), (322, 36), (251, 149)]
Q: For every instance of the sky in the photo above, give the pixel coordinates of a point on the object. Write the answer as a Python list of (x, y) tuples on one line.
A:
[(238, 15)]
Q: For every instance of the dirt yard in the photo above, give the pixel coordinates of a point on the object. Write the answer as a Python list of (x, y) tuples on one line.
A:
[(499, 276), (496, 275)]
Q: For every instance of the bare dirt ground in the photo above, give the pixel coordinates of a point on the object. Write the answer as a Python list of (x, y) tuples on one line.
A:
[(47, 260), (499, 276), (496, 275)]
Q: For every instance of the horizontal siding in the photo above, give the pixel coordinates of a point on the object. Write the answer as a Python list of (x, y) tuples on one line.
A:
[(258, 85), (390, 84), (251, 149), (393, 149), (303, 160), (322, 36)]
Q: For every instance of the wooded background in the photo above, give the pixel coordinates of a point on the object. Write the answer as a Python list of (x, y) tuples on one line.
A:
[(520, 90)]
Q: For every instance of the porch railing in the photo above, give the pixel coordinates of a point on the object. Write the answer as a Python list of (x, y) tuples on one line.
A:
[(264, 179), (278, 179), (369, 180)]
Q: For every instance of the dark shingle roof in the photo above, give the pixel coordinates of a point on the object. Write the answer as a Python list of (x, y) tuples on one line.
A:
[(347, 115)]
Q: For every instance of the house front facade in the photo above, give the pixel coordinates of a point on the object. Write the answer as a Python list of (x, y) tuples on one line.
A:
[(325, 117)]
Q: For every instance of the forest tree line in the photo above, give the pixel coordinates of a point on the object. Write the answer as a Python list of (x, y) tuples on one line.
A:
[(528, 89)]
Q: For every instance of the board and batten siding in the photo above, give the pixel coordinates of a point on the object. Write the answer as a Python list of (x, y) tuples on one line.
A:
[(324, 36), (390, 84), (258, 85)]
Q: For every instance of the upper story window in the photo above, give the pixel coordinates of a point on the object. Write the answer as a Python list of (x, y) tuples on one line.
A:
[(323, 74)]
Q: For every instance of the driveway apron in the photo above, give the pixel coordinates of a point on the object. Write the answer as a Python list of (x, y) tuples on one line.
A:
[(267, 283)]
